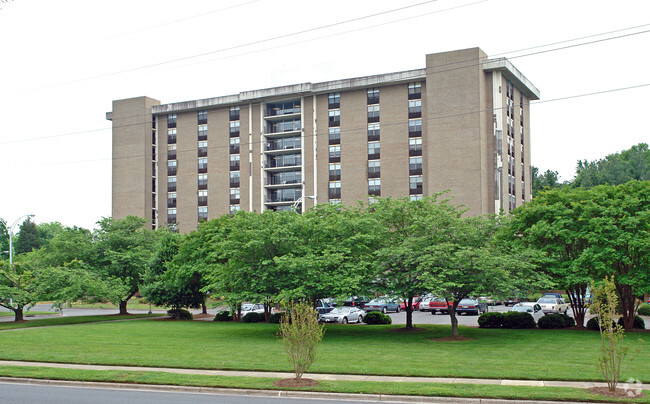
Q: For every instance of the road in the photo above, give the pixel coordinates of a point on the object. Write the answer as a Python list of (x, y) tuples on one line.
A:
[(41, 394)]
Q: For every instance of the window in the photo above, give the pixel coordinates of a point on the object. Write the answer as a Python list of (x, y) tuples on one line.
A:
[(234, 209), (171, 135), (415, 197), (335, 135), (203, 213), (234, 145), (171, 120), (203, 197), (373, 113), (285, 160), (373, 131), (234, 162), (171, 215), (374, 186), (373, 150), (415, 128), (234, 128), (415, 91), (203, 132), (335, 201), (171, 167), (171, 199), (203, 181), (171, 183), (373, 96), (234, 113), (335, 171), (283, 108), (288, 125), (234, 195), (334, 100), (234, 178), (415, 165), (335, 154), (374, 168), (335, 190), (203, 148), (203, 164), (415, 184), (202, 116), (171, 151), (415, 146), (334, 117), (415, 109)]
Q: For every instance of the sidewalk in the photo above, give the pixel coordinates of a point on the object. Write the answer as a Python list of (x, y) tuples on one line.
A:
[(321, 376)]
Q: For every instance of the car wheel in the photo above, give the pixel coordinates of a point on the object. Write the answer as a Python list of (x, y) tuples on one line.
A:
[(433, 312), (345, 320), (383, 310), (360, 319), (398, 309)]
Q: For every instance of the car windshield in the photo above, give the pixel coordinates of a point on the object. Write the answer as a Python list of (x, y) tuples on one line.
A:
[(468, 301), (523, 308), (546, 301), (340, 310), (377, 302), (247, 307)]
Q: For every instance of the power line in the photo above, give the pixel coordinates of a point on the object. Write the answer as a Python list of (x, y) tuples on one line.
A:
[(307, 136)]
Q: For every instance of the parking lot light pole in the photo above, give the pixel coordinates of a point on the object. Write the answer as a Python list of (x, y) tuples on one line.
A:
[(301, 200)]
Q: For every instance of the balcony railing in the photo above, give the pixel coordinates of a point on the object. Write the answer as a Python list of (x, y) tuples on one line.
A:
[(281, 181)]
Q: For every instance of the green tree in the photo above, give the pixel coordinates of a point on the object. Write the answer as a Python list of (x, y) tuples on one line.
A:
[(122, 249), (549, 223), (4, 239), (615, 169), (28, 239), (548, 180), (301, 333)]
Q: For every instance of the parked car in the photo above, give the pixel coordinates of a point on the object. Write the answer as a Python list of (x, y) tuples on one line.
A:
[(511, 301), (416, 303), (382, 305), (252, 308), (472, 306), (323, 307), (553, 305), (434, 305), (490, 301), (355, 301), (343, 315), (533, 309), (552, 294)]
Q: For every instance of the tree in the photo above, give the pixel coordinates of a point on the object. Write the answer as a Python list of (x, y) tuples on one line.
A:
[(122, 249), (615, 169), (4, 239), (405, 226), (549, 224), (28, 239), (469, 261), (548, 180), (301, 333)]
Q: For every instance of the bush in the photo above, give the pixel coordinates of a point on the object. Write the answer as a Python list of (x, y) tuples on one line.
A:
[(569, 321), (252, 318), (223, 316), (644, 310), (516, 319), (551, 321), (592, 324), (491, 319), (375, 317), (639, 324), (180, 314), (275, 318)]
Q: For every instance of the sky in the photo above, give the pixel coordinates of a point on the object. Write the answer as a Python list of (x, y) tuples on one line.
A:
[(62, 63)]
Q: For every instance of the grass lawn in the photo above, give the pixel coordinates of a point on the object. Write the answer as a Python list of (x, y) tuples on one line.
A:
[(29, 313), (379, 350), (419, 389), (70, 320)]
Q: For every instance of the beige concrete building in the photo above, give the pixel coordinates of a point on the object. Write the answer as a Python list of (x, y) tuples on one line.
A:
[(460, 124)]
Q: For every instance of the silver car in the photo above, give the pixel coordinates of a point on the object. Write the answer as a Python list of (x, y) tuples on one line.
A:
[(531, 308), (343, 315)]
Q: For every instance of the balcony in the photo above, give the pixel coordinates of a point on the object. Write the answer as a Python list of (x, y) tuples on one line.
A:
[(415, 152), (202, 153), (283, 144), (374, 156), (171, 171), (234, 166), (415, 114), (374, 173), (202, 201), (235, 183), (203, 185), (415, 190), (280, 181), (372, 118), (171, 139), (234, 200), (415, 171), (234, 149), (203, 168)]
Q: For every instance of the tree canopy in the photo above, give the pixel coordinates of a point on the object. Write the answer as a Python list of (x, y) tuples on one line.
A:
[(615, 169)]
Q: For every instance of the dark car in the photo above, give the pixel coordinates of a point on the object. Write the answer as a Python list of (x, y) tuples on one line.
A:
[(323, 307), (511, 301), (471, 306), (355, 301)]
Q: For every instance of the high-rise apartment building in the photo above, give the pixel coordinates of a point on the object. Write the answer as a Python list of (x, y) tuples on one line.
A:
[(460, 124)]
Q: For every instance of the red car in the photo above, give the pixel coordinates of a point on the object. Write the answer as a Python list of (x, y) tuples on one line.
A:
[(416, 303), (435, 305)]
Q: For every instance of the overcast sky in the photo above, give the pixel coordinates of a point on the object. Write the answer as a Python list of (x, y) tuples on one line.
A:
[(63, 62)]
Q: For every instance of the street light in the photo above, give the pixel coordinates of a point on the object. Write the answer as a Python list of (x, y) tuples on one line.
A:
[(11, 235), (300, 200)]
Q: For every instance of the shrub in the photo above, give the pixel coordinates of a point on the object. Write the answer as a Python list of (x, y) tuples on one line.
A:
[(252, 318), (639, 324), (223, 316), (550, 321), (180, 314), (275, 318), (491, 319), (644, 310), (375, 317), (516, 319), (569, 321), (301, 336), (592, 324)]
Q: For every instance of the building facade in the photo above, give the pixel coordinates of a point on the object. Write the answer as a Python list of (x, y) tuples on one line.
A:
[(460, 124)]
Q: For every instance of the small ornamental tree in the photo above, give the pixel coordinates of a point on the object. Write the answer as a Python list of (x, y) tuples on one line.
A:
[(301, 334)]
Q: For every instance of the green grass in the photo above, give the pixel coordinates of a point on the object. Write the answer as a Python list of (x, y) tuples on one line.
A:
[(29, 313), (43, 322), (378, 350), (394, 388)]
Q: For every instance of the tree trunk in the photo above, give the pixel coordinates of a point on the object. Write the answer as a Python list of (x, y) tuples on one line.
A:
[(18, 314), (577, 300), (454, 321), (627, 305), (409, 312), (204, 308), (123, 307)]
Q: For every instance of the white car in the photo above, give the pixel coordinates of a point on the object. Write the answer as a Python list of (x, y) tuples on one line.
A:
[(343, 315), (553, 305), (533, 309), (252, 308)]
